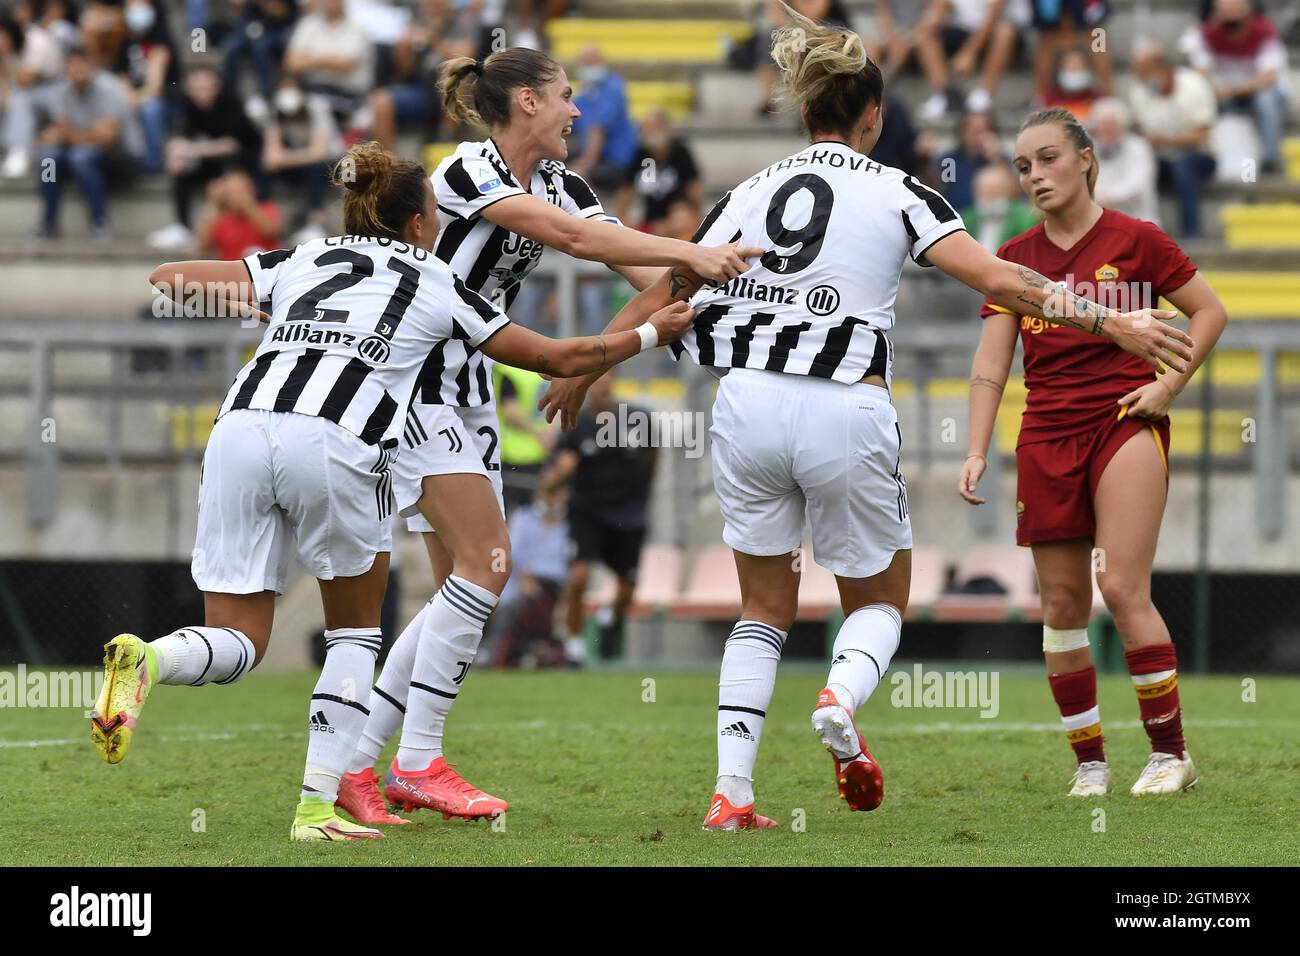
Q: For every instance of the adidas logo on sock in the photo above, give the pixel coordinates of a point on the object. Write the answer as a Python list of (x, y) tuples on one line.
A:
[(318, 722), (738, 729)]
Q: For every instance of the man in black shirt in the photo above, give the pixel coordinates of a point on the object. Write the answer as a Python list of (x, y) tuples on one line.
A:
[(609, 475), (666, 179)]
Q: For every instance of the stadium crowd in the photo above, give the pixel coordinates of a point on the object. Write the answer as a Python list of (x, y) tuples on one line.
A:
[(243, 105)]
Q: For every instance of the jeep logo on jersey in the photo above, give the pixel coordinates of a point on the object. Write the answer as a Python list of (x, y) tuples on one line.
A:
[(375, 348), (823, 300)]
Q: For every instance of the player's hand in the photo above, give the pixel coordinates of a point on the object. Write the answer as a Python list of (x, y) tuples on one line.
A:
[(1144, 334), (1152, 400), (249, 315), (672, 321), (722, 263), (565, 396), (972, 470)]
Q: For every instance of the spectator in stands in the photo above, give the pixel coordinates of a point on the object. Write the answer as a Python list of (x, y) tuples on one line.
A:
[(896, 21), (87, 136), (609, 476), (605, 133), (667, 181), (526, 438), (899, 145), (1126, 181), (35, 66), (1000, 211), (235, 224), (103, 28), (214, 136), (522, 631), (146, 62), (300, 142), (262, 35), (530, 21), (1058, 23), (774, 17), (1174, 108), (1076, 86), (951, 41), (1242, 54), (441, 31), (332, 56), (978, 145)]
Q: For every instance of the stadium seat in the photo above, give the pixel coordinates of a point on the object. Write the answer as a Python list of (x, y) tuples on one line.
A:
[(675, 99), (1261, 295), (434, 153), (659, 578), (646, 41), (1262, 226), (713, 590), (1291, 156), (191, 425)]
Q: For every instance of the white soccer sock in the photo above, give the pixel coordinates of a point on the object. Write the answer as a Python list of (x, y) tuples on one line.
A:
[(337, 714), (203, 655), (745, 684), (448, 642), (388, 696), (866, 643)]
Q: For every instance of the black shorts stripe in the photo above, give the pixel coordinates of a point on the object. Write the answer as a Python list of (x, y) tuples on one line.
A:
[(354, 704)]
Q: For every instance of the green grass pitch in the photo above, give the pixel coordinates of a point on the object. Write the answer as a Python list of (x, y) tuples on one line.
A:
[(596, 775)]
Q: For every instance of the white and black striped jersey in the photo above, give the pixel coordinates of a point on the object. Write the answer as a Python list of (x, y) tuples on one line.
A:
[(492, 260), (838, 228), (354, 322)]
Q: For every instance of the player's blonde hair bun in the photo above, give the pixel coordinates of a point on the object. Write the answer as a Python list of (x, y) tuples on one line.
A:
[(825, 71)]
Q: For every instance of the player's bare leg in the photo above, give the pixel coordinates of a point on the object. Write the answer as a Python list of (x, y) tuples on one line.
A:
[(868, 639), (1064, 571), (464, 509), (359, 791), (1129, 502), (769, 597), (575, 612)]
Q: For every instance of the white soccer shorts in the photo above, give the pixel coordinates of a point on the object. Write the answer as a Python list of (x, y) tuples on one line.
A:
[(785, 444), (445, 440), (276, 482)]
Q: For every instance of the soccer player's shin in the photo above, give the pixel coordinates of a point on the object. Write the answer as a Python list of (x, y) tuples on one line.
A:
[(203, 655), (337, 713), (864, 647), (388, 696), (449, 639), (749, 664)]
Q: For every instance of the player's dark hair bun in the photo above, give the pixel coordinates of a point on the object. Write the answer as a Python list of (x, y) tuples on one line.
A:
[(384, 192)]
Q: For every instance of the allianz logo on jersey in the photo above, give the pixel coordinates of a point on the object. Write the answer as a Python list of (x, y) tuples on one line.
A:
[(819, 300), (373, 348)]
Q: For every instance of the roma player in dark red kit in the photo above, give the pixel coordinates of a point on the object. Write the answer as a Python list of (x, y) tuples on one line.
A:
[(1092, 459)]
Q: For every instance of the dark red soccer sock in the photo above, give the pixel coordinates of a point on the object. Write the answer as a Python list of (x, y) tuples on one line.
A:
[(1155, 677), (1076, 697)]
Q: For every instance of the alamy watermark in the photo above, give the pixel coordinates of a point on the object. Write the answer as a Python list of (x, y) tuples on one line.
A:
[(946, 689), (44, 688), (627, 427)]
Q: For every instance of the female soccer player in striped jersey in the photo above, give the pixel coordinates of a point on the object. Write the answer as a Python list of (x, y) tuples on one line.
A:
[(803, 420), (501, 202), (299, 456), (1092, 465)]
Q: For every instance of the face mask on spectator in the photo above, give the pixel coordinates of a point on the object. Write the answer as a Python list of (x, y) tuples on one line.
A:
[(1074, 81), (139, 17), (591, 75), (289, 100)]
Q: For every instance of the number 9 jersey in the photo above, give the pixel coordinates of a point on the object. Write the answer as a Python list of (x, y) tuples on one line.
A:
[(837, 227)]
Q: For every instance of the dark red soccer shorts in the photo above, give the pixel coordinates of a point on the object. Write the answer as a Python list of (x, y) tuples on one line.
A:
[(1057, 478)]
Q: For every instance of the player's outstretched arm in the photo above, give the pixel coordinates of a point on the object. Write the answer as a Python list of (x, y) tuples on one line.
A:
[(605, 242), (566, 395), (1021, 289), (988, 377), (523, 348), (219, 288)]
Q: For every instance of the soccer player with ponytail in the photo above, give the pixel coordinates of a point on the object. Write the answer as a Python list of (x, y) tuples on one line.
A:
[(1092, 459)]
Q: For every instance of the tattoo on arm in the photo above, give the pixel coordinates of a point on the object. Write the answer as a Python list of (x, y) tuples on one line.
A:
[(988, 382), (676, 283), (1076, 307)]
